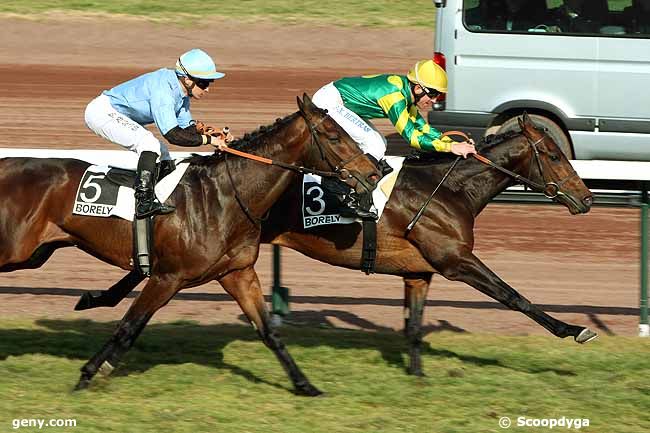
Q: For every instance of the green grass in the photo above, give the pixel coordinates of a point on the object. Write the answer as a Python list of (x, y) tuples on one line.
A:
[(187, 377), (401, 13)]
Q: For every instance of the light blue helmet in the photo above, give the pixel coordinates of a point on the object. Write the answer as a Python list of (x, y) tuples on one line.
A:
[(198, 64)]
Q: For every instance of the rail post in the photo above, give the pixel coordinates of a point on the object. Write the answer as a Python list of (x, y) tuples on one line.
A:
[(644, 326), (279, 294)]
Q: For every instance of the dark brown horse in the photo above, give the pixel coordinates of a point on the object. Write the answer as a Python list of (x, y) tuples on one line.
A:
[(443, 239), (213, 235)]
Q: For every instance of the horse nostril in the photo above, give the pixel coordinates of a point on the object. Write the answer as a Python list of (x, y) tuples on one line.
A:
[(588, 201)]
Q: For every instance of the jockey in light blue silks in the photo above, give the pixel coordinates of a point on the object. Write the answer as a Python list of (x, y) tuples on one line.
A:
[(161, 97)]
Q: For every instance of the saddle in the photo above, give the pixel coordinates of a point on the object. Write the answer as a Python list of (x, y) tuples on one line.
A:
[(126, 178), (417, 157)]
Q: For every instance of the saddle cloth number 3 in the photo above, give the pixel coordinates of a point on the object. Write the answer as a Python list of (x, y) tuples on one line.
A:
[(315, 195), (320, 206)]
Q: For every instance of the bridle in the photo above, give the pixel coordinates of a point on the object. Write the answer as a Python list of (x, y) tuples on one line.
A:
[(339, 169), (550, 188)]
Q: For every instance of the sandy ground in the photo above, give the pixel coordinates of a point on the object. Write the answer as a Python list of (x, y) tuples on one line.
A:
[(582, 269)]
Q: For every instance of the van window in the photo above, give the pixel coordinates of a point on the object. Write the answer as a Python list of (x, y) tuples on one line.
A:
[(617, 18)]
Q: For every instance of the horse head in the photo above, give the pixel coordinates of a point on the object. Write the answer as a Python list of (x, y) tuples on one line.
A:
[(337, 149), (550, 167)]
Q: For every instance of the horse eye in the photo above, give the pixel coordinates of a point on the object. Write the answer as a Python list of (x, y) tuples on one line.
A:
[(554, 157), (334, 139)]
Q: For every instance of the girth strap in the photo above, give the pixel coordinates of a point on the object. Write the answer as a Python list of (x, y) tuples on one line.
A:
[(369, 251)]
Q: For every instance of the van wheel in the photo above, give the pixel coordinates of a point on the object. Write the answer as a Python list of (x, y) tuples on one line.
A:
[(552, 128)]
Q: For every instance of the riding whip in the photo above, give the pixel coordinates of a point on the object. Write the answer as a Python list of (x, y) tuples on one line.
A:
[(426, 203)]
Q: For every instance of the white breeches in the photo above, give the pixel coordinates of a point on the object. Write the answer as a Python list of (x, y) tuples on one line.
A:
[(117, 128), (362, 131)]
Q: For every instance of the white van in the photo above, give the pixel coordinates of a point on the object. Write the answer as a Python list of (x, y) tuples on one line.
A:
[(581, 67)]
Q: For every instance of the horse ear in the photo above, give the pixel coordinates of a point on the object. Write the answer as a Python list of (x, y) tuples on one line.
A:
[(526, 124), (301, 105), (308, 105), (306, 99), (522, 121)]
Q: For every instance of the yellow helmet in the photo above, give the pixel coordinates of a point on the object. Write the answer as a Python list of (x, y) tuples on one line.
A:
[(428, 74)]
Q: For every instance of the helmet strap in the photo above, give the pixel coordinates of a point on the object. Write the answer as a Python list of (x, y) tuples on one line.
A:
[(189, 77), (189, 87), (416, 97)]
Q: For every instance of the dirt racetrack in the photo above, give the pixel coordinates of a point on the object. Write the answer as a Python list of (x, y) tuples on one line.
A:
[(582, 269)]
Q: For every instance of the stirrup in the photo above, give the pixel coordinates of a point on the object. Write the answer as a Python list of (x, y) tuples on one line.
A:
[(156, 208)]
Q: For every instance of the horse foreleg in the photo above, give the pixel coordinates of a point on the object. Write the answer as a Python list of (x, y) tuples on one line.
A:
[(112, 296), (469, 269), (155, 294), (415, 296), (244, 286)]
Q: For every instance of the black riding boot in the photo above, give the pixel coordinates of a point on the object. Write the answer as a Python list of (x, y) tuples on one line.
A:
[(146, 203), (356, 205)]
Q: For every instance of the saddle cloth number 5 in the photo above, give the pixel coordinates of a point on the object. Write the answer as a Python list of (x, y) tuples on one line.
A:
[(96, 196), (94, 185)]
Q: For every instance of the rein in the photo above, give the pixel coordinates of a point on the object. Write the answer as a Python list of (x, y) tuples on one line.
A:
[(292, 167), (551, 189), (339, 170), (517, 177)]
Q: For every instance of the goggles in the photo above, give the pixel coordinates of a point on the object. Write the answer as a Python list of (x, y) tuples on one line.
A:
[(431, 93), (201, 83)]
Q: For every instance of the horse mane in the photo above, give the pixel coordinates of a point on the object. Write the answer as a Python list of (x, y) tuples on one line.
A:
[(248, 142), (457, 181), (438, 163), (418, 157)]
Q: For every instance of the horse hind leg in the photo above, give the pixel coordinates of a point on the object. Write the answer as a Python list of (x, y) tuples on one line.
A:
[(244, 286), (112, 296), (37, 258), (30, 244), (472, 271), (415, 297), (155, 294)]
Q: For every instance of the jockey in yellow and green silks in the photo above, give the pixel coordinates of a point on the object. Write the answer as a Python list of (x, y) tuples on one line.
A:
[(352, 101)]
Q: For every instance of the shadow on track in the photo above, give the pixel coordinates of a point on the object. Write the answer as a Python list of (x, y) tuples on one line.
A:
[(187, 342)]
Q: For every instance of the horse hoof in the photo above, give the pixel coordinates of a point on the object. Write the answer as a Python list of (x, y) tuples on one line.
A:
[(586, 336), (83, 384), (85, 302), (308, 390)]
